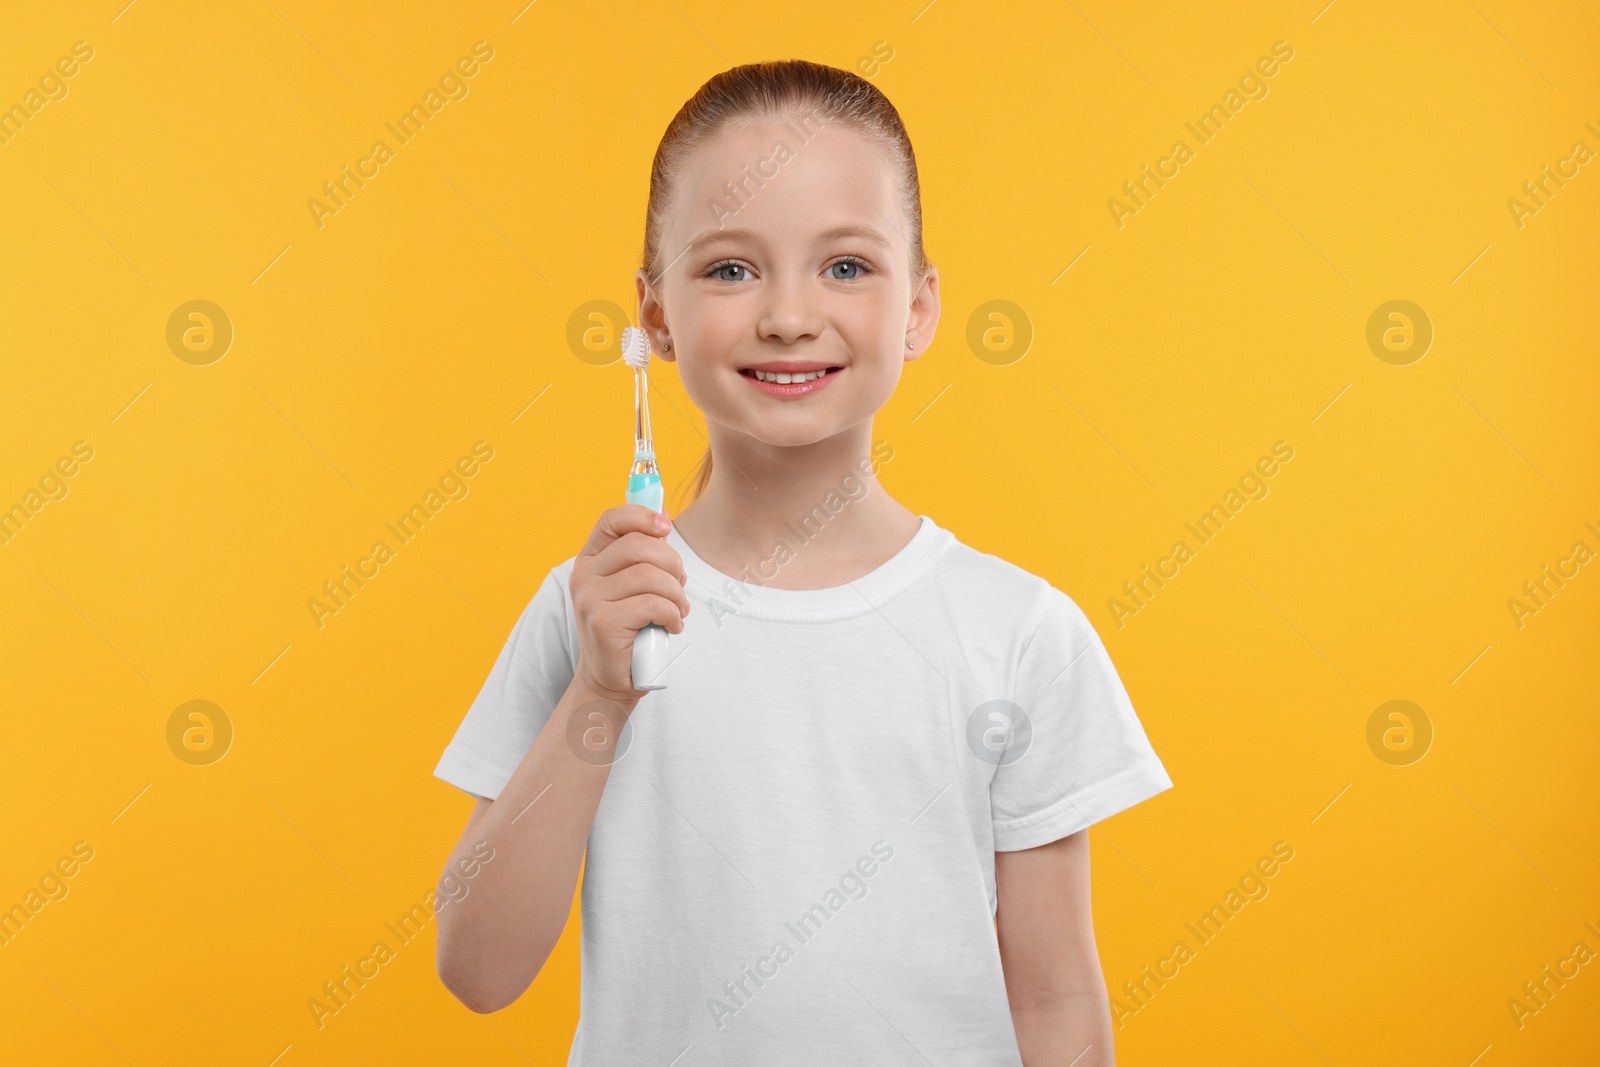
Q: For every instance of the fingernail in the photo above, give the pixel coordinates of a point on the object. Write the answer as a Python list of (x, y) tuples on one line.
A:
[(663, 523), (684, 578)]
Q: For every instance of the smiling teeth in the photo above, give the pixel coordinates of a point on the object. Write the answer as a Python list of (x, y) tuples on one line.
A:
[(785, 379)]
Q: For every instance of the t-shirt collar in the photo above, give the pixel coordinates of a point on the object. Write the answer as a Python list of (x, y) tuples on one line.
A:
[(745, 595)]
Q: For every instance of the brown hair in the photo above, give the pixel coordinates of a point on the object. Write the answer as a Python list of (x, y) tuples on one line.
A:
[(774, 90)]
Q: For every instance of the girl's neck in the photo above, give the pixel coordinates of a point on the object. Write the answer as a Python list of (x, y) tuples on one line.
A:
[(837, 520)]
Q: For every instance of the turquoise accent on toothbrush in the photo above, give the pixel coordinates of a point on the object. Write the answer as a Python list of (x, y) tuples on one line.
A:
[(646, 489)]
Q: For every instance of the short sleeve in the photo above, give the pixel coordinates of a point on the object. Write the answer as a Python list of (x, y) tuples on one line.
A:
[(1083, 755), (534, 669)]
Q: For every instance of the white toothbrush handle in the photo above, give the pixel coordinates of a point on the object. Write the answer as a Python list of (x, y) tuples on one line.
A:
[(650, 657)]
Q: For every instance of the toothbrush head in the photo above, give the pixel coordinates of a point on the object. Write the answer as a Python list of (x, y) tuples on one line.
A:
[(635, 348)]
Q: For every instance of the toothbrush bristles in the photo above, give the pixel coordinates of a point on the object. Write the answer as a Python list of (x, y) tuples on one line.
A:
[(635, 348)]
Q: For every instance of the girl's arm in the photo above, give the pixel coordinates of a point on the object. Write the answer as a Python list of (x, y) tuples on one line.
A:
[(494, 939), (1059, 1005)]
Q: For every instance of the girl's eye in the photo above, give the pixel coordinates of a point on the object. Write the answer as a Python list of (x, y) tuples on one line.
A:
[(727, 264), (859, 265), (854, 268)]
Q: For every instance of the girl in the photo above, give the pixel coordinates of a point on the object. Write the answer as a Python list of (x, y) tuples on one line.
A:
[(852, 828)]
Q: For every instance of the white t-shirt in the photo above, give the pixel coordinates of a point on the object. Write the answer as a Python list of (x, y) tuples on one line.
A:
[(793, 859)]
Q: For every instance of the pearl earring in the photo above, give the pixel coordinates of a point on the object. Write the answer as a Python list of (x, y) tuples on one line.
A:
[(911, 344)]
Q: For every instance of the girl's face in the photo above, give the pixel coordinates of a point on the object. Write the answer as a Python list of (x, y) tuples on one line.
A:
[(810, 266)]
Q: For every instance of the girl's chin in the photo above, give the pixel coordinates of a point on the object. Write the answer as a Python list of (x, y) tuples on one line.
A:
[(799, 431)]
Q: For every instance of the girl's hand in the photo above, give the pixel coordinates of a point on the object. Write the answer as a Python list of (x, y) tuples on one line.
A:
[(625, 577)]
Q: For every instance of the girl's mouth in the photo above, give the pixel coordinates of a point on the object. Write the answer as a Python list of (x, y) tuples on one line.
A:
[(797, 386)]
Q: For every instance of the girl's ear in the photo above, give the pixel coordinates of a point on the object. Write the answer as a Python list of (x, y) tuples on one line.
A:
[(924, 317), (653, 318)]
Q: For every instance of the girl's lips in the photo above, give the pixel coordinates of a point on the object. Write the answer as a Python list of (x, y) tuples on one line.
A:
[(793, 389)]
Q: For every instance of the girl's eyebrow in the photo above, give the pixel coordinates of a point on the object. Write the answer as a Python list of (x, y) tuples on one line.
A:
[(711, 237)]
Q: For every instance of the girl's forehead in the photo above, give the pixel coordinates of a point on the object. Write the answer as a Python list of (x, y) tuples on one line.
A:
[(784, 181)]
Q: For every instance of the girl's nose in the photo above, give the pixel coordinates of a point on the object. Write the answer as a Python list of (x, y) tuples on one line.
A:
[(789, 315)]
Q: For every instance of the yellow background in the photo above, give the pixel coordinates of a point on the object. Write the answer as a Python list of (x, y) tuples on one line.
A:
[(428, 314)]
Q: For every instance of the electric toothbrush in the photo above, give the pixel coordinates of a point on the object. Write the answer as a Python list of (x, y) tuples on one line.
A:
[(644, 487)]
